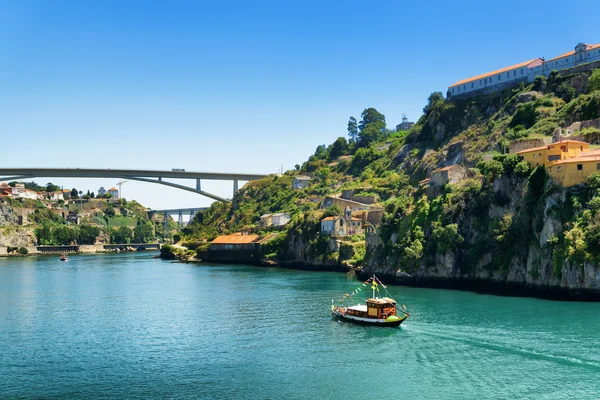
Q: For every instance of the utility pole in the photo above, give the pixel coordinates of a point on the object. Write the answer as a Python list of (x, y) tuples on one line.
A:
[(119, 184)]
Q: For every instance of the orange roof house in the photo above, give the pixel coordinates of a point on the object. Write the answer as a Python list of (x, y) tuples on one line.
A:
[(235, 239), (550, 154)]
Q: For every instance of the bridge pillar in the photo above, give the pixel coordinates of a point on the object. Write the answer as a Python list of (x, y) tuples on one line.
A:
[(198, 184), (166, 227), (180, 220), (235, 186), (191, 216), (160, 178)]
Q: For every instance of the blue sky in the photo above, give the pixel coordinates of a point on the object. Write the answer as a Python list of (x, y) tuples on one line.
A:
[(240, 86)]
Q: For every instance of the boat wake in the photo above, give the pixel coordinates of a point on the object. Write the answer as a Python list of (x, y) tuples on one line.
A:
[(507, 348)]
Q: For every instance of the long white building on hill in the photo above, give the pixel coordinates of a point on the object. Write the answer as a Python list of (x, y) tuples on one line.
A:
[(525, 71)]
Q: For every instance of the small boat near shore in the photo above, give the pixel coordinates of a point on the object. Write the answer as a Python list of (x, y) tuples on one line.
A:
[(376, 311), (64, 257)]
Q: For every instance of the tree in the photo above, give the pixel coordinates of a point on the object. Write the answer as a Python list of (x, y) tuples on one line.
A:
[(92, 195), (74, 193), (338, 148), (353, 129), (122, 235), (321, 151), (50, 187), (594, 80), (143, 233), (566, 92), (539, 83), (109, 210), (433, 101), (371, 116), (372, 126), (88, 234), (44, 235)]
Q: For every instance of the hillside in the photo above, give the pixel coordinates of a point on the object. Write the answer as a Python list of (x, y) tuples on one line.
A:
[(503, 224), (52, 221)]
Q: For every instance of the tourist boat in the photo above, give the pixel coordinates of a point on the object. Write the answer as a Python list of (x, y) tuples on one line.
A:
[(377, 311), (64, 257)]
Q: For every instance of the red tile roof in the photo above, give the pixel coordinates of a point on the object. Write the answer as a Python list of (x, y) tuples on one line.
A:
[(588, 47), (235, 239), (568, 141), (498, 71)]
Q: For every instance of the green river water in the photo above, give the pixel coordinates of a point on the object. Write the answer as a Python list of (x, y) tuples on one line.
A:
[(131, 326)]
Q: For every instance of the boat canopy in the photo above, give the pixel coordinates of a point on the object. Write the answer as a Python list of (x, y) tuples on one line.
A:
[(384, 300), (359, 307)]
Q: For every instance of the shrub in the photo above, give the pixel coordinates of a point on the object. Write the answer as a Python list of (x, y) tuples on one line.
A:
[(594, 81), (167, 252), (23, 250), (594, 181), (493, 168), (522, 169), (447, 238), (539, 83), (566, 92), (525, 115)]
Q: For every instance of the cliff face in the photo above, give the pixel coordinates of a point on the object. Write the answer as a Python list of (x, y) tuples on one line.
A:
[(532, 262), (17, 237)]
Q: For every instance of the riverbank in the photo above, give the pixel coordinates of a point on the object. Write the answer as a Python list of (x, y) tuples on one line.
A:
[(481, 286), (7, 251)]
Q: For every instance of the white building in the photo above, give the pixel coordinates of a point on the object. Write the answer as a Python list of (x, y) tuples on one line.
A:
[(300, 182), (526, 71), (499, 78), (55, 196), (281, 219), (28, 194), (113, 192), (101, 191)]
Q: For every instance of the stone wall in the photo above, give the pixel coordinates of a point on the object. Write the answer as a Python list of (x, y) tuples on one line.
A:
[(518, 145)]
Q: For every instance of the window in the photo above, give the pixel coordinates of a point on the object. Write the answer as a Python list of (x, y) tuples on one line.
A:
[(581, 148), (521, 71), (472, 85), (559, 168), (533, 155), (553, 158), (563, 148), (508, 74), (598, 166), (515, 72), (579, 167), (452, 90), (540, 155), (499, 77)]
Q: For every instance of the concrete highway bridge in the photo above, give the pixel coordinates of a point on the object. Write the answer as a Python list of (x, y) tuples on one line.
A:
[(150, 176)]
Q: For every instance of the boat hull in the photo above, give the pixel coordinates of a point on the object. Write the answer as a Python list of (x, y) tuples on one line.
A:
[(369, 321)]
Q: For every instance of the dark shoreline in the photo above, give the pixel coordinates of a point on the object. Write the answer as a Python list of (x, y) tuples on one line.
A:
[(480, 286)]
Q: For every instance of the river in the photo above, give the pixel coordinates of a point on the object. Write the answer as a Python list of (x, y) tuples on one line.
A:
[(131, 326)]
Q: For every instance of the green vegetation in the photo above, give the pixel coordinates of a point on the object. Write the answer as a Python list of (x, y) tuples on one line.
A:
[(489, 222)]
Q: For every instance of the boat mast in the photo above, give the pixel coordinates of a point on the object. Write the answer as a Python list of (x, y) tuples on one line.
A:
[(373, 285)]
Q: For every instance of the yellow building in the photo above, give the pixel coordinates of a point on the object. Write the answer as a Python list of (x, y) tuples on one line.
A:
[(553, 153), (575, 170)]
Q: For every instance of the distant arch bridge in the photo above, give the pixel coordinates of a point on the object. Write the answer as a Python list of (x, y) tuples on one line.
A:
[(180, 212), (150, 176)]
